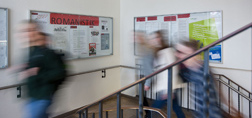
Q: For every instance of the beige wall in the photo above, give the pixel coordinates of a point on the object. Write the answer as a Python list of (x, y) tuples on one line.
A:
[(236, 51), (19, 10), (236, 13), (80, 90)]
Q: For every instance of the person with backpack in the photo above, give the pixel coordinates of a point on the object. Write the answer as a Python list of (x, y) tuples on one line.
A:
[(44, 73)]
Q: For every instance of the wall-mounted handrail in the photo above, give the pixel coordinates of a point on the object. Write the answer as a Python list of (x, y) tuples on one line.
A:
[(233, 82), (12, 86), (172, 64), (75, 74)]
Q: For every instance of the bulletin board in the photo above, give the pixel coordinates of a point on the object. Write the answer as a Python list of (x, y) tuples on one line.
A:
[(3, 37), (79, 36), (205, 27)]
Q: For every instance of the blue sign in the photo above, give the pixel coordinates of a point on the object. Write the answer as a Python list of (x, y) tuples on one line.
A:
[(215, 54)]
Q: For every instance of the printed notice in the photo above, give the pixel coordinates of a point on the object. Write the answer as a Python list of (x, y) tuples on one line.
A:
[(3, 55), (183, 28), (3, 25), (140, 26), (78, 38), (104, 26), (60, 36), (82, 39), (94, 35), (42, 19), (173, 36), (105, 41), (151, 27)]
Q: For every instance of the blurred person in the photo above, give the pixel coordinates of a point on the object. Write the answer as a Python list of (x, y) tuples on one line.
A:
[(192, 72), (147, 59), (44, 72), (161, 55)]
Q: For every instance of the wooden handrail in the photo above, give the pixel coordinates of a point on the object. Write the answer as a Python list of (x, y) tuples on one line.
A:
[(114, 109), (233, 82), (172, 64), (163, 114), (12, 86), (91, 71)]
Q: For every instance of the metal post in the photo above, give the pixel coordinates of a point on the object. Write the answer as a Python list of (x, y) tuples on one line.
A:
[(100, 109), (229, 97), (137, 113), (195, 97), (219, 91), (169, 94), (238, 100), (181, 96), (151, 90), (119, 105), (106, 114), (249, 107), (93, 115), (122, 113), (80, 114), (86, 113), (205, 82), (187, 96), (141, 95)]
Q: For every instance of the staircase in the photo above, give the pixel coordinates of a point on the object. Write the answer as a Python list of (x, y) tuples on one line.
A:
[(129, 109), (83, 112)]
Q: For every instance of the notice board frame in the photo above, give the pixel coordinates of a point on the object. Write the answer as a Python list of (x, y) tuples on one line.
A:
[(110, 34), (146, 17), (6, 40)]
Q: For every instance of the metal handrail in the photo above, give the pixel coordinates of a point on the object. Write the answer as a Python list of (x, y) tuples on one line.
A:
[(230, 87), (234, 89), (233, 82), (86, 72), (171, 65)]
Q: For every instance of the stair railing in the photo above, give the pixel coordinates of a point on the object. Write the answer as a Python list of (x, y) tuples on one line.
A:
[(239, 90), (140, 82)]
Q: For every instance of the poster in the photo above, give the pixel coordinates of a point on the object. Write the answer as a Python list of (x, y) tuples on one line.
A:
[(3, 37), (92, 49), (3, 55), (79, 36), (205, 27), (104, 41)]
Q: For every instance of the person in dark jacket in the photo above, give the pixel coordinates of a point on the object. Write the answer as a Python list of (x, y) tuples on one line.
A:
[(44, 73), (192, 71)]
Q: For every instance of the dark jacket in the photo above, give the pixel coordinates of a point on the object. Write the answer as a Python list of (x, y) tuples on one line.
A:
[(51, 73)]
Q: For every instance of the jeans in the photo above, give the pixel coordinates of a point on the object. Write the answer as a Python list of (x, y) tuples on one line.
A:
[(37, 108), (175, 106)]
